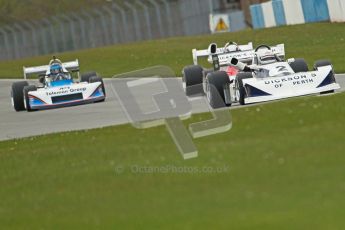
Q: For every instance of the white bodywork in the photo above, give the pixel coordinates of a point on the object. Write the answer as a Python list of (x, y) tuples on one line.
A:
[(278, 81), (43, 98)]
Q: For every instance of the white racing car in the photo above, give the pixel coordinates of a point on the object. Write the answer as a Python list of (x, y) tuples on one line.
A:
[(269, 78), (194, 76), (57, 87)]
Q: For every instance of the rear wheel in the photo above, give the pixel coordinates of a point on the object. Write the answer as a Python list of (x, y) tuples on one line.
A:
[(299, 65), (26, 91), (193, 77), (215, 85), (321, 63), (98, 79), (86, 76), (240, 90), (17, 95)]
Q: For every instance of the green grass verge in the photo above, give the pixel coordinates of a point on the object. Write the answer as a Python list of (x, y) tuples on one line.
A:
[(310, 41), (286, 172)]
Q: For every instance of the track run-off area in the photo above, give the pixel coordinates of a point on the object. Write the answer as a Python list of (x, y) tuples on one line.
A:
[(25, 124)]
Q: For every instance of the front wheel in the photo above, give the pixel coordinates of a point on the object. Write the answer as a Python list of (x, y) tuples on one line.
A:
[(321, 63), (299, 65), (85, 77), (240, 90), (26, 91), (216, 83), (204, 74), (17, 95), (98, 79), (192, 77)]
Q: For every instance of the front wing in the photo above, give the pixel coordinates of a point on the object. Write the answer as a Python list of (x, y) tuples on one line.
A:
[(299, 84), (63, 96)]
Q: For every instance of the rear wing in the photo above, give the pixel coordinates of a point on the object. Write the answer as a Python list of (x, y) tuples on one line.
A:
[(279, 50), (206, 53), (72, 66), (247, 56)]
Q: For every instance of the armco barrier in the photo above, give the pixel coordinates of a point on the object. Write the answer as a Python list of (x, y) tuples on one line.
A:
[(293, 12), (315, 10), (279, 14), (269, 18), (290, 12), (336, 10), (257, 16)]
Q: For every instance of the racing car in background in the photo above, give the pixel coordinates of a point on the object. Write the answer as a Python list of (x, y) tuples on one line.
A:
[(194, 76), (56, 87), (268, 78)]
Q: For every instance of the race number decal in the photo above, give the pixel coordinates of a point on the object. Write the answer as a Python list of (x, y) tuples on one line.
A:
[(281, 69)]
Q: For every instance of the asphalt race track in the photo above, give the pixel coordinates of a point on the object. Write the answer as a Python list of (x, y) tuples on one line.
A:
[(23, 124)]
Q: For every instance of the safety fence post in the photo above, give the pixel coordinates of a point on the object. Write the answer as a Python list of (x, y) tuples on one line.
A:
[(135, 20), (113, 27), (34, 40), (169, 17), (158, 15), (15, 52), (126, 36), (7, 52), (105, 31), (147, 18)]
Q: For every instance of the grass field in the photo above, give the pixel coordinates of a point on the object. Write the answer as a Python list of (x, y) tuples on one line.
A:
[(284, 170), (310, 41)]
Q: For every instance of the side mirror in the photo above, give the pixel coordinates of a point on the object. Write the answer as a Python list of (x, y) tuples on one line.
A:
[(212, 48)]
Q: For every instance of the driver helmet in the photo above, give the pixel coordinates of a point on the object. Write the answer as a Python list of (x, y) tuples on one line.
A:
[(266, 56), (56, 68), (231, 47)]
